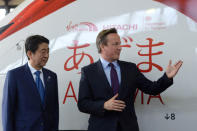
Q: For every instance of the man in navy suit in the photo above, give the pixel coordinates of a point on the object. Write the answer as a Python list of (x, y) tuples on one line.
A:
[(107, 87), (30, 96)]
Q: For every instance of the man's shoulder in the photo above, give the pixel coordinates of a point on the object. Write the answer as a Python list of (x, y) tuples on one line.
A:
[(17, 69), (96, 64), (49, 71), (91, 66), (126, 63)]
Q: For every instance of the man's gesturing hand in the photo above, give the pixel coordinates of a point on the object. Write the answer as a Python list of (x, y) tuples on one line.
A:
[(115, 105)]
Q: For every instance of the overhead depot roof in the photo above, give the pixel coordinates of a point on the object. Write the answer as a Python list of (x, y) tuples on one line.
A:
[(10, 2)]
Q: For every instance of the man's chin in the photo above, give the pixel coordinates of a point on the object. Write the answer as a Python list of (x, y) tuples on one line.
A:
[(117, 58), (42, 65)]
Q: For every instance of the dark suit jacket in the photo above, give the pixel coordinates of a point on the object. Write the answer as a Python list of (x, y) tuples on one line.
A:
[(94, 90), (22, 109)]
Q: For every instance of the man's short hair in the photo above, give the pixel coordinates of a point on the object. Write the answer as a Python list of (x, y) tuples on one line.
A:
[(101, 38), (32, 43)]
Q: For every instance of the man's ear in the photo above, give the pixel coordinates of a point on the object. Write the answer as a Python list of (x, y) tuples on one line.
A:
[(102, 46), (29, 54)]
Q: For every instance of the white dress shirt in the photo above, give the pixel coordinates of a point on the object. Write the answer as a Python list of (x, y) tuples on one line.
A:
[(33, 70), (107, 69)]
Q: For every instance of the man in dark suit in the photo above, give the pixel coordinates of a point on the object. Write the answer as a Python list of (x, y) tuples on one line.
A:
[(107, 87), (30, 96)]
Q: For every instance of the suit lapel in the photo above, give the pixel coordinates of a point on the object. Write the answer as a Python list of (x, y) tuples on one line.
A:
[(46, 79), (103, 77), (31, 83), (123, 77)]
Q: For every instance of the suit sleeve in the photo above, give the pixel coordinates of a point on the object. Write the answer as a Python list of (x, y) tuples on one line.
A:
[(9, 102), (86, 102), (155, 87), (56, 104)]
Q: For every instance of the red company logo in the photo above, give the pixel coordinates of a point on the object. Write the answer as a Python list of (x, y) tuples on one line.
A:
[(82, 26), (148, 18), (151, 24), (124, 27)]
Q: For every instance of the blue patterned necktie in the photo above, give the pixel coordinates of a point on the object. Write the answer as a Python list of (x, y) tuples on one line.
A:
[(40, 86), (114, 79)]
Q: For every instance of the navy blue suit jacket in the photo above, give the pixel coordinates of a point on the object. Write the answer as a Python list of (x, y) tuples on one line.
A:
[(94, 90), (22, 109)]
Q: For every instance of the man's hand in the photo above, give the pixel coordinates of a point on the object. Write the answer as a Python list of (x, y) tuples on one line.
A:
[(173, 69), (115, 105)]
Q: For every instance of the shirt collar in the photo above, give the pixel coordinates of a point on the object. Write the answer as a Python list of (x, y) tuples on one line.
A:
[(33, 70), (106, 63)]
